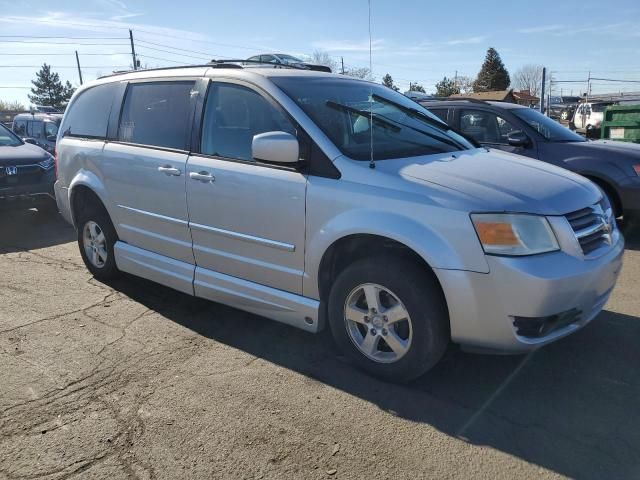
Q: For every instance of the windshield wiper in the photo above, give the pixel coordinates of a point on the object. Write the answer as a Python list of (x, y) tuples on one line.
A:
[(413, 112), (376, 118)]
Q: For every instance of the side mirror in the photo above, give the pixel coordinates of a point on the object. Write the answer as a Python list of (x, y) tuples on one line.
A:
[(518, 139), (51, 138), (275, 147), (32, 141)]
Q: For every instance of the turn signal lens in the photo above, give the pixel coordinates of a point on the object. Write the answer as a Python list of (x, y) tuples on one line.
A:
[(637, 169), (492, 233), (514, 234)]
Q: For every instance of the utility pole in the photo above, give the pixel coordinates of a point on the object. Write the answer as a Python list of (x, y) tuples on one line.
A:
[(79, 71), (342, 61), (455, 79), (133, 51), (544, 75)]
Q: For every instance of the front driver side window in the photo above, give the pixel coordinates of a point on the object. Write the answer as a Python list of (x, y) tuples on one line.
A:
[(233, 115), (485, 127)]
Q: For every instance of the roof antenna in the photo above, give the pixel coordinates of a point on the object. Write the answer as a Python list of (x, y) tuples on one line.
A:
[(372, 164)]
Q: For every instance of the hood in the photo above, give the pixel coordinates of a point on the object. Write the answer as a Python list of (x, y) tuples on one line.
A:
[(496, 181), (26, 154), (626, 149)]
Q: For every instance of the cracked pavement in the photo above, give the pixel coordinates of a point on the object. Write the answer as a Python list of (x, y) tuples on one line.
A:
[(134, 380)]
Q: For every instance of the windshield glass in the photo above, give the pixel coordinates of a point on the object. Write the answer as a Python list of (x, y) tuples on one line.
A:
[(7, 138), (549, 129), (343, 108), (289, 58)]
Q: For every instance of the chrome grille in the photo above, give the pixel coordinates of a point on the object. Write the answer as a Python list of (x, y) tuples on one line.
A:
[(592, 226)]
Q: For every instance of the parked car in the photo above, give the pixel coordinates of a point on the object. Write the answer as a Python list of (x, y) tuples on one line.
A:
[(273, 191), (26, 174), (41, 129), (613, 166), (288, 60), (588, 117), (563, 108)]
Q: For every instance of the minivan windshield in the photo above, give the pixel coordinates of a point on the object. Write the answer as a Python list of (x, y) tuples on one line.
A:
[(549, 129), (343, 109), (8, 138)]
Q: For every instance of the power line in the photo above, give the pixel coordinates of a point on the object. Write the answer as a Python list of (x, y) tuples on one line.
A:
[(173, 53), (209, 55), (63, 66), (24, 42), (62, 54), (162, 59), (61, 37)]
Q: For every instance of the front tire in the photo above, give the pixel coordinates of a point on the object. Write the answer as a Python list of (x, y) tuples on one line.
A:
[(389, 316), (96, 239)]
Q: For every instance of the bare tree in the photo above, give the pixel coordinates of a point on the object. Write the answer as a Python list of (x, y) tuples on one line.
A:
[(361, 72), (11, 105), (528, 77), (464, 83), (323, 58)]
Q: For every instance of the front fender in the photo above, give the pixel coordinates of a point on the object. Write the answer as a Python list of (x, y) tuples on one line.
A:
[(448, 242)]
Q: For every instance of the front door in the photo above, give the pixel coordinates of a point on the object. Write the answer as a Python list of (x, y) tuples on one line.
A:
[(247, 219), (145, 169)]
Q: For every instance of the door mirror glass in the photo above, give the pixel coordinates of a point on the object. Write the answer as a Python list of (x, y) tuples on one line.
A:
[(518, 139), (275, 147)]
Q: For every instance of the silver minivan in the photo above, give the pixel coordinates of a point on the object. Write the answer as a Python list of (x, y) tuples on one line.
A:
[(312, 199)]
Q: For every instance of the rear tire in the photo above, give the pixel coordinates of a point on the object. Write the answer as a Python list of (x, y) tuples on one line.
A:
[(388, 342), (96, 239)]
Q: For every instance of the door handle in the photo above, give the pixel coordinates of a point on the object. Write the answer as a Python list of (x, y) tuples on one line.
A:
[(204, 177), (169, 170)]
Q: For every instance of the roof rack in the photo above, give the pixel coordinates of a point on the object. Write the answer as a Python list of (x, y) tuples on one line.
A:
[(227, 63)]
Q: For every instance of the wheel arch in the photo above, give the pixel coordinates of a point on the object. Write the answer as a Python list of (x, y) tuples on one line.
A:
[(609, 189), (85, 187)]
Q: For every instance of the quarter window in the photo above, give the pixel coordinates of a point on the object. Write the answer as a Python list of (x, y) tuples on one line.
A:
[(157, 114), (233, 115), (441, 113), (88, 114), (485, 127)]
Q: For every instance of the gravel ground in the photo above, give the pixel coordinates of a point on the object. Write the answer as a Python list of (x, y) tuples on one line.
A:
[(132, 379)]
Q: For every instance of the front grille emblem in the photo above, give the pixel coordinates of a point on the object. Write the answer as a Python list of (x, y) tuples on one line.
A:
[(11, 171)]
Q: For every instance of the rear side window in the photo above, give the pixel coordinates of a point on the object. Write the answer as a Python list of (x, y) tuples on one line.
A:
[(441, 113), (233, 115), (34, 129), (20, 128), (88, 115), (156, 114)]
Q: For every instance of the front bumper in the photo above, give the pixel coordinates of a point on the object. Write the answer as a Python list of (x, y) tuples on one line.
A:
[(483, 307), (28, 194)]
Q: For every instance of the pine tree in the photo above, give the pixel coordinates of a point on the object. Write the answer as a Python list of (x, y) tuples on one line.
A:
[(387, 81), (416, 87), (48, 90), (446, 87), (493, 74)]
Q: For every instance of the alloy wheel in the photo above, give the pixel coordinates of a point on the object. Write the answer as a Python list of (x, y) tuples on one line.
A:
[(378, 323), (95, 244)]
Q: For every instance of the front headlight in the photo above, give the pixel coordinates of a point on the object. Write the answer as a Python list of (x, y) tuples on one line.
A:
[(514, 234), (47, 163)]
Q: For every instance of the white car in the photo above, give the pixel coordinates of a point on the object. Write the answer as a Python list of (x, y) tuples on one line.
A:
[(588, 117)]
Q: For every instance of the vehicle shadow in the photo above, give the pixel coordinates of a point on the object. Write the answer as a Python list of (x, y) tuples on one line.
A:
[(29, 230), (631, 232), (570, 407)]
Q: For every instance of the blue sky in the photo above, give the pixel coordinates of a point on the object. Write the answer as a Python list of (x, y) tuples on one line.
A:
[(412, 40)]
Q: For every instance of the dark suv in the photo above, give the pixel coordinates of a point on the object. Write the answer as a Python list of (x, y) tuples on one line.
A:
[(614, 166), (27, 174), (38, 128)]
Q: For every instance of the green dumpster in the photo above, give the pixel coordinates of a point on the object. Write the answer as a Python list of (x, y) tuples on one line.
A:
[(622, 122)]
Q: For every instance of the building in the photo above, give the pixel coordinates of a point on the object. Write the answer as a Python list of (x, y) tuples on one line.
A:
[(522, 97)]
